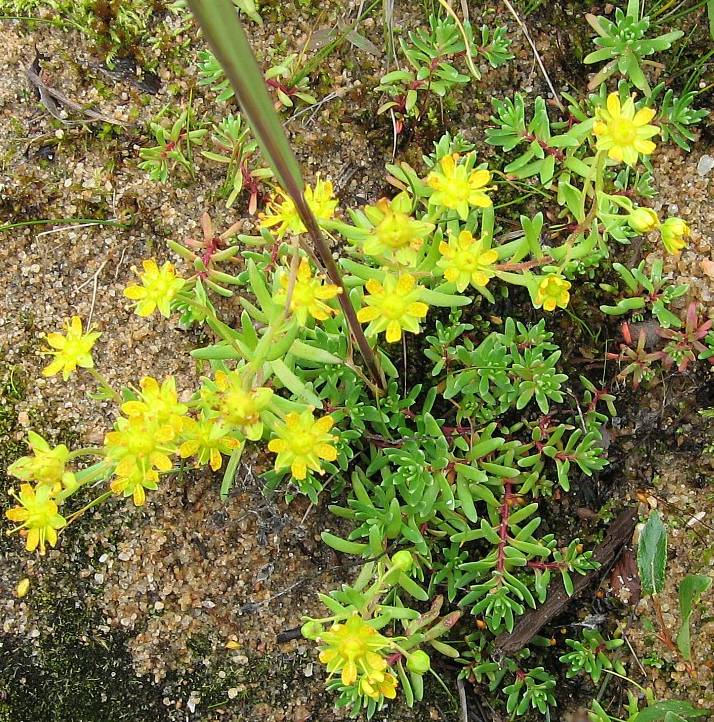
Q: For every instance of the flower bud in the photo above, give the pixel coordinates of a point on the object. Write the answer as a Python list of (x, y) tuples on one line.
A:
[(674, 231), (643, 220), (419, 662), (311, 629), (402, 560)]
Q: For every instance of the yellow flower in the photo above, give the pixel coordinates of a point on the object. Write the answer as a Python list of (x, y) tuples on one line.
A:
[(309, 295), (464, 260), (457, 188), (622, 132), (38, 514), (393, 306), (395, 235), (674, 232), (282, 212), (227, 398), (353, 650), (301, 442), (138, 444), (158, 289), (643, 220), (47, 466), (71, 350), (207, 439), (156, 403), (135, 483), (552, 292)]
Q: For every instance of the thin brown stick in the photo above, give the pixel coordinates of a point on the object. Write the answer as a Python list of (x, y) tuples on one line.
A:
[(618, 534)]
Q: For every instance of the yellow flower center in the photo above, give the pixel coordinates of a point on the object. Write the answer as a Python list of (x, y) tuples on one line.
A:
[(623, 131), (302, 442), (466, 261), (304, 294), (395, 230), (393, 307), (353, 647)]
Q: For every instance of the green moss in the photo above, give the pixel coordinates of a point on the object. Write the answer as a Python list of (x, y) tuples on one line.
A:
[(73, 671)]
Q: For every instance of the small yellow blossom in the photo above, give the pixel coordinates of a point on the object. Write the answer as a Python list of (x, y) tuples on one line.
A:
[(352, 649), (393, 306), (207, 439), (46, 466), (159, 287), (137, 444), (622, 132), (643, 220), (457, 188), (465, 260), (228, 398), (135, 483), (674, 232), (38, 514), (283, 214), (552, 292), (72, 350), (301, 442), (309, 295), (156, 403), (395, 235)]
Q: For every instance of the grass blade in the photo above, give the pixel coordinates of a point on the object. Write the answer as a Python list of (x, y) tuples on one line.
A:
[(229, 43)]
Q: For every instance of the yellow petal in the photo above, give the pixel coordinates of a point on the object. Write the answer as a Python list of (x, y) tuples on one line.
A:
[(417, 309), (327, 452), (56, 340), (277, 446), (33, 539), (479, 178), (394, 331), (405, 284), (324, 424), (374, 287), (75, 326), (613, 104), (367, 313), (299, 469), (53, 368), (643, 116)]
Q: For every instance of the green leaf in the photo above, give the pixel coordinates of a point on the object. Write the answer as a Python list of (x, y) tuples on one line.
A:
[(652, 554), (343, 545), (690, 590), (659, 711)]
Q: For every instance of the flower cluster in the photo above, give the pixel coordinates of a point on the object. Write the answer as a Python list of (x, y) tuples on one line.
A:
[(38, 506), (143, 440), (352, 649), (282, 213)]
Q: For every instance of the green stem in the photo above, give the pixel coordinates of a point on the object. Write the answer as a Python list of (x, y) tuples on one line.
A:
[(63, 221), (86, 451), (103, 497), (104, 386)]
